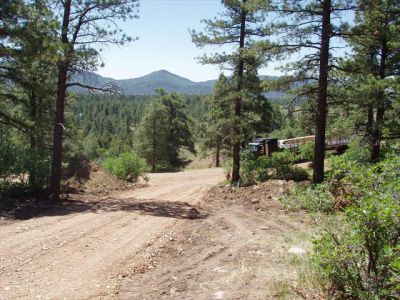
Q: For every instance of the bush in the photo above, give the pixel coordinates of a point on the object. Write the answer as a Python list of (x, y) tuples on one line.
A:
[(16, 162), (127, 166), (362, 260), (283, 162), (254, 170), (358, 151), (8, 159), (38, 165), (279, 166), (297, 174), (313, 198), (306, 152)]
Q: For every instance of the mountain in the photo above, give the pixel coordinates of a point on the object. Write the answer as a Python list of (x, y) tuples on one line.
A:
[(147, 84)]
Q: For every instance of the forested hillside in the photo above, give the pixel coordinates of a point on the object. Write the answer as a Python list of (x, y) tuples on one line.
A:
[(105, 125), (147, 85)]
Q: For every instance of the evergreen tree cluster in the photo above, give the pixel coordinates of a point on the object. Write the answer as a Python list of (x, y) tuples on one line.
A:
[(333, 92), (108, 125)]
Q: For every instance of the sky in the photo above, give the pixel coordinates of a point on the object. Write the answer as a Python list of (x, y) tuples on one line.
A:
[(164, 41)]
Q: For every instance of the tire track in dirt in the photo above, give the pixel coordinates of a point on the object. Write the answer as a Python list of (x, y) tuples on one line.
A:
[(78, 256), (240, 251)]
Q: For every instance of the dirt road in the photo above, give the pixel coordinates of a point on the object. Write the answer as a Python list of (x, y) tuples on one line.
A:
[(77, 252), (247, 247)]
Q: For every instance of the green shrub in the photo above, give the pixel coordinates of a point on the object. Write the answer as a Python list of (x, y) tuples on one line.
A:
[(279, 166), (8, 159), (38, 165), (362, 259), (16, 162), (306, 152), (283, 162), (127, 166), (313, 198), (358, 151), (254, 170)]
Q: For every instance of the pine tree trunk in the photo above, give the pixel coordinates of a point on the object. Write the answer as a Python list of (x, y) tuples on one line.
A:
[(238, 103), (319, 151), (33, 138), (58, 133), (60, 106), (217, 160), (153, 163), (380, 111), (377, 135)]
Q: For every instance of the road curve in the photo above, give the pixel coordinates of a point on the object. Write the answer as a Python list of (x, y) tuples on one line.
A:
[(76, 253)]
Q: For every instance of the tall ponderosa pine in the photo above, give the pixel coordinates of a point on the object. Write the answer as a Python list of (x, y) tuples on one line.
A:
[(27, 71), (84, 26), (374, 67), (239, 28), (309, 29)]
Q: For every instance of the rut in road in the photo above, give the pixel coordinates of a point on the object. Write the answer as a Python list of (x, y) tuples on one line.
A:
[(77, 253)]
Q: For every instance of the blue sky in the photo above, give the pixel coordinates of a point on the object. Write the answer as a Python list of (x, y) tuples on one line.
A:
[(164, 41)]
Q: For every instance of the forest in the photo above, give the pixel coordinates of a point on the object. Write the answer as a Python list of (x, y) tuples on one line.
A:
[(341, 61)]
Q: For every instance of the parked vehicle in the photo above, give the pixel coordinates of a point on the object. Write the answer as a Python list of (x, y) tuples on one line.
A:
[(267, 146)]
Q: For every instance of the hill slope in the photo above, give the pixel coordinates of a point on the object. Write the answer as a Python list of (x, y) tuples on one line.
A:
[(147, 84)]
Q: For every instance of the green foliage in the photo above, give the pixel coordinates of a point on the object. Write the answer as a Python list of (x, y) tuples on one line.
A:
[(341, 165), (106, 125), (8, 157), (358, 151), (287, 132), (24, 165), (283, 162), (152, 136), (279, 166), (164, 131), (127, 166), (362, 259), (306, 152), (313, 198)]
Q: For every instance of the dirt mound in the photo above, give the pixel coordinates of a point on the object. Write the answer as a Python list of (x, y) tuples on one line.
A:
[(258, 196), (84, 174)]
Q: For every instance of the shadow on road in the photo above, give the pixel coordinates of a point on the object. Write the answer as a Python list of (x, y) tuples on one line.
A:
[(158, 208)]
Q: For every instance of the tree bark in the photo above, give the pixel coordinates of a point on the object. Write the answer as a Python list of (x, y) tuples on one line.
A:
[(319, 150), (56, 171), (238, 102), (380, 110), (217, 160), (33, 137)]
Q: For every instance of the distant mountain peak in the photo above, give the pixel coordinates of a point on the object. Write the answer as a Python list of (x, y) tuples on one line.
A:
[(167, 74), (147, 84)]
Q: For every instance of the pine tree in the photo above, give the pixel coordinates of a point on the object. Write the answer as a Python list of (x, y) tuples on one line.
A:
[(240, 26), (152, 135), (218, 132), (84, 26), (164, 131), (28, 69), (310, 28), (374, 68)]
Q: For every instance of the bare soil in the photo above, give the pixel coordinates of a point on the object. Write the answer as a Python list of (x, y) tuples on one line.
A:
[(178, 237), (243, 249)]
